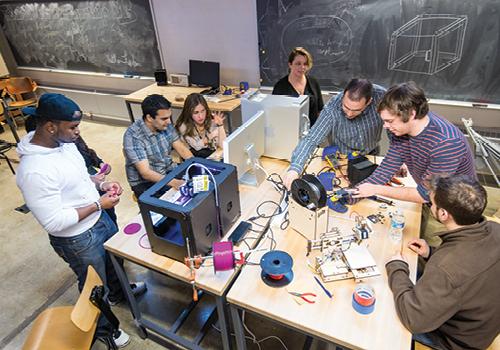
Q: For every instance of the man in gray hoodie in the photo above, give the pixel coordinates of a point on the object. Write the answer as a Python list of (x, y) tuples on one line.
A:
[(454, 304)]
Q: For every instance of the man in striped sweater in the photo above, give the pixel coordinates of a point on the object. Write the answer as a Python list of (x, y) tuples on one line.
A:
[(425, 142)]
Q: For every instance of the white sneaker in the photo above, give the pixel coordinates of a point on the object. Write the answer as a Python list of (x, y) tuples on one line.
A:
[(121, 338)]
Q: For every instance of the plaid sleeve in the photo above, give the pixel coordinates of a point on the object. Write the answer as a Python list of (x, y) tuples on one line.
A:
[(134, 148), (172, 133)]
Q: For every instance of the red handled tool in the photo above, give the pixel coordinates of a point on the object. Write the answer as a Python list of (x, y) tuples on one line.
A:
[(304, 296)]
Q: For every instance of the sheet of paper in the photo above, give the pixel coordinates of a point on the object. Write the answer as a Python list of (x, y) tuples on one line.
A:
[(359, 257)]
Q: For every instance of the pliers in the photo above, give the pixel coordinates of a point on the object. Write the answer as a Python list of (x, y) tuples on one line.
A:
[(304, 296)]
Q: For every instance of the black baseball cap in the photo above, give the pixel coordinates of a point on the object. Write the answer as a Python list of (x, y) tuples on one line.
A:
[(55, 107)]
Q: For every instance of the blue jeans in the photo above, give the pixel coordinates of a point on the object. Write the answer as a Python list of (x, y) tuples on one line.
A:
[(431, 339), (87, 249)]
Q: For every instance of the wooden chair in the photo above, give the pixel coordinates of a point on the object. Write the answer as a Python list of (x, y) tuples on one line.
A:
[(3, 85), (3, 92), (67, 327), (4, 148), (22, 92), (2, 111), (7, 117), (4, 145)]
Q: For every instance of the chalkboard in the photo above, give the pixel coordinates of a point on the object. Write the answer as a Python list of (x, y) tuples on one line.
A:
[(450, 48), (110, 36)]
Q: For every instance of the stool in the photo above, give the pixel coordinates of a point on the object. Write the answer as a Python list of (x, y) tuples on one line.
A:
[(4, 148)]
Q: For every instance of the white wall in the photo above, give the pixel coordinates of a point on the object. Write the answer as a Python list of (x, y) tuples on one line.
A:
[(223, 31)]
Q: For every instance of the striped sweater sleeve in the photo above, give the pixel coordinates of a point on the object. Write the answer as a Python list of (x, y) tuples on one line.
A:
[(389, 166), (384, 172), (446, 158)]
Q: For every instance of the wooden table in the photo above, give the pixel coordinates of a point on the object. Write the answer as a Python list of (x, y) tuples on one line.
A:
[(226, 103), (333, 320), (128, 248)]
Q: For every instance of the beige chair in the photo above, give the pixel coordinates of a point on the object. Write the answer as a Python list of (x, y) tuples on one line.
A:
[(3, 92), (22, 92), (4, 145), (67, 327), (3, 84)]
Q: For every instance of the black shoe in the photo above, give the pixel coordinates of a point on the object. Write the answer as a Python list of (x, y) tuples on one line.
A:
[(138, 288)]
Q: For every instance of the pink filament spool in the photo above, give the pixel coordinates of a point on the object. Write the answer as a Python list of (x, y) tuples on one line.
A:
[(223, 256)]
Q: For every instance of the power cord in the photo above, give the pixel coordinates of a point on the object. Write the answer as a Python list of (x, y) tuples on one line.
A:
[(262, 214), (252, 336)]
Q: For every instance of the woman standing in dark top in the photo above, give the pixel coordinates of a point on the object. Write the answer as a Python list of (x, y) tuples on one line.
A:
[(298, 83)]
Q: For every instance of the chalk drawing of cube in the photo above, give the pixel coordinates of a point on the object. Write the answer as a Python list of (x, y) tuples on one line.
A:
[(427, 44)]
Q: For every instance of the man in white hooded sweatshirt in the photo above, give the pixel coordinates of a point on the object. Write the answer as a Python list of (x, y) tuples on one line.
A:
[(64, 198)]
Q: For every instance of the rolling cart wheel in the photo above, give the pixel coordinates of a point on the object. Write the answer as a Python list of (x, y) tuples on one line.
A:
[(143, 333)]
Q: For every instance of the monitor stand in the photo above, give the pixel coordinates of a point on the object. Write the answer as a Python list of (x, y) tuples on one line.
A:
[(256, 175)]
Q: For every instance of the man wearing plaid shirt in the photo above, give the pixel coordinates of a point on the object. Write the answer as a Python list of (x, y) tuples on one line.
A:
[(350, 119), (148, 143)]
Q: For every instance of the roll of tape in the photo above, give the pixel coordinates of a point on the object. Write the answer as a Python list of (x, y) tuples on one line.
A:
[(363, 299), (364, 295)]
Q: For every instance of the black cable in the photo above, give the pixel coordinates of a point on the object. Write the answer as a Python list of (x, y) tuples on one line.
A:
[(280, 187), (286, 222), (252, 220), (278, 184), (271, 246), (325, 168), (264, 216), (314, 156), (248, 246)]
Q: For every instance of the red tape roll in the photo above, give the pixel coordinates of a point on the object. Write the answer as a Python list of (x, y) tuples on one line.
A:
[(364, 295)]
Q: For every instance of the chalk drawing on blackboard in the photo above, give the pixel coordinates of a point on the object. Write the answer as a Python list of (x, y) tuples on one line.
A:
[(427, 44), (113, 36), (282, 8), (329, 37)]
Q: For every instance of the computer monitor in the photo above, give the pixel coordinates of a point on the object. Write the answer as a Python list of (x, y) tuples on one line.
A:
[(204, 73), (287, 120), (244, 147)]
